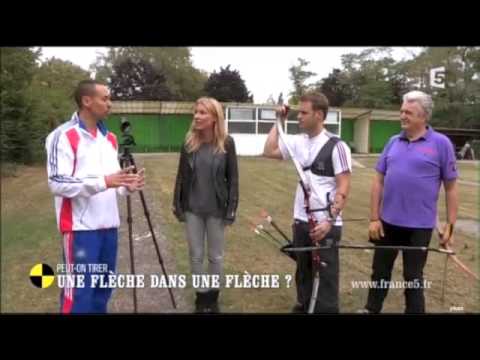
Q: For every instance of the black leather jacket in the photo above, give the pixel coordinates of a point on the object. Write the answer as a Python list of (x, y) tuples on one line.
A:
[(225, 168)]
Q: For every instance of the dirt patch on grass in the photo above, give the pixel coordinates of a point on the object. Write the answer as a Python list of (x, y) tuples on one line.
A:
[(149, 299)]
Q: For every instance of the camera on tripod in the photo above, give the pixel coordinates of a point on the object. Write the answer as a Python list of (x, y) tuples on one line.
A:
[(126, 160), (127, 138)]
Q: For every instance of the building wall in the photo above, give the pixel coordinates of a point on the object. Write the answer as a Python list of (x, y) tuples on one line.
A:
[(380, 132), (161, 126), (166, 133), (347, 131), (153, 132), (249, 144), (361, 131)]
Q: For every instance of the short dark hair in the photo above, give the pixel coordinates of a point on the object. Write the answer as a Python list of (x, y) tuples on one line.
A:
[(85, 88), (318, 100)]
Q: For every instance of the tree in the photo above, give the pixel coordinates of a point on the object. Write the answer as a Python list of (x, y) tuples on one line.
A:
[(183, 80), (299, 76), (374, 79), (457, 104), (137, 79), (51, 96), (370, 77), (334, 87), (51, 93), (399, 82), (228, 86), (17, 68)]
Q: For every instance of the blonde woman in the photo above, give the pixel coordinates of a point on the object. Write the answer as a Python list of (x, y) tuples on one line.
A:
[(206, 193)]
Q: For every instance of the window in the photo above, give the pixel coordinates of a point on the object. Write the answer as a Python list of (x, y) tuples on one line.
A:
[(267, 114), (258, 120), (242, 120), (332, 128), (265, 127), (241, 114), (332, 117), (292, 127), (266, 120), (241, 127)]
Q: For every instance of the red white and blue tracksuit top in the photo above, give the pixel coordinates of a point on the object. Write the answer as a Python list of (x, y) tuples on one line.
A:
[(77, 165)]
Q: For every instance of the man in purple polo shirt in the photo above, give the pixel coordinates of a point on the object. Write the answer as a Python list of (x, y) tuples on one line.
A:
[(404, 198)]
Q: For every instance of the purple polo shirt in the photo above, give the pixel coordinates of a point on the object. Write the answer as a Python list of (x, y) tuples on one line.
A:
[(413, 174)]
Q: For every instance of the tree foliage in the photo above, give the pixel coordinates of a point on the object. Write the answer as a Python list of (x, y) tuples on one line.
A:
[(228, 86)]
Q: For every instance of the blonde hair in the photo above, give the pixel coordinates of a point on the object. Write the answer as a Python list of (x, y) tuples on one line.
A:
[(192, 140)]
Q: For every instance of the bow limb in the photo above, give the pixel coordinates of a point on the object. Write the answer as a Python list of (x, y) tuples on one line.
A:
[(313, 299), (454, 257), (462, 266), (304, 182), (283, 139)]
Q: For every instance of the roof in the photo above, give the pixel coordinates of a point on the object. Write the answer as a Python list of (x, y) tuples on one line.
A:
[(180, 107)]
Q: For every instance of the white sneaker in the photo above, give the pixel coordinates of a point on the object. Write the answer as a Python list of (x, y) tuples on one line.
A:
[(363, 311)]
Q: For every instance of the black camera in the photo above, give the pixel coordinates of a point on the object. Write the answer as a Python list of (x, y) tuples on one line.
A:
[(127, 138)]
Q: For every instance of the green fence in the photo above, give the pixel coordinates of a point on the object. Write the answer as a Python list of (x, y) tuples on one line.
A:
[(166, 133), (347, 133), (380, 132), (153, 133)]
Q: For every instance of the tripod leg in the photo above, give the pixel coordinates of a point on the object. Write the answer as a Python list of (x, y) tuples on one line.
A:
[(132, 254), (157, 248), (124, 163)]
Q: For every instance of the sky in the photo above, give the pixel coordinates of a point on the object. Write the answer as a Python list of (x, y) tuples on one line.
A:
[(264, 69)]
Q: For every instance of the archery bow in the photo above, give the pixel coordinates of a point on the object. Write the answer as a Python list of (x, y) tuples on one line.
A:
[(291, 251), (312, 222), (372, 247), (453, 257)]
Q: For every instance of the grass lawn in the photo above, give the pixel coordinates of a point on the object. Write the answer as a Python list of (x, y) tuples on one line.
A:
[(29, 236)]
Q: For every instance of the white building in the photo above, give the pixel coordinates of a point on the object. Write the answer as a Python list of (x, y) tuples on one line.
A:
[(249, 125)]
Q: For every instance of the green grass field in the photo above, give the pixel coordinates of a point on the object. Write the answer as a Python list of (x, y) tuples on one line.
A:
[(29, 236)]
